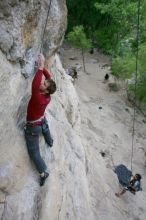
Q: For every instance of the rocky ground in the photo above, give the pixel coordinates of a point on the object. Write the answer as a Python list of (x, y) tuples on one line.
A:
[(106, 124)]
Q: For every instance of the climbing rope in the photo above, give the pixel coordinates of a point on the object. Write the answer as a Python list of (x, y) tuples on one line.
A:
[(136, 74), (42, 39)]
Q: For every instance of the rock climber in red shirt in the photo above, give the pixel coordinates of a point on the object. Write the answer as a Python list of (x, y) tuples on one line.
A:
[(42, 88)]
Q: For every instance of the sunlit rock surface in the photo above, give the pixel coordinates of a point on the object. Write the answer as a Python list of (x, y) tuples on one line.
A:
[(80, 186)]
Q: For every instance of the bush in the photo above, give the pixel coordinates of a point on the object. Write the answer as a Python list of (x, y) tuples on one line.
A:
[(78, 38), (123, 67)]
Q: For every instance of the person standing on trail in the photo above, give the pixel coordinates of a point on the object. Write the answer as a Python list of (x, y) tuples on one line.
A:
[(42, 88)]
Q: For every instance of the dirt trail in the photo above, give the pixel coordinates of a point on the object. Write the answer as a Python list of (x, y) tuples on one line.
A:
[(106, 123)]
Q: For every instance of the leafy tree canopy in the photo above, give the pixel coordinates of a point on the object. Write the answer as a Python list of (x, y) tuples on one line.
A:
[(78, 38)]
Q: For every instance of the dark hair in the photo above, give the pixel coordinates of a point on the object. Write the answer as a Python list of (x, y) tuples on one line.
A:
[(138, 176), (51, 88)]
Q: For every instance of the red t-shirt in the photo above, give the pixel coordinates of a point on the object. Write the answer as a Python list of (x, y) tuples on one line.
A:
[(38, 102)]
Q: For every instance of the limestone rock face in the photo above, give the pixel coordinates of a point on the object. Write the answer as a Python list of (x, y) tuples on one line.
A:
[(65, 194), (22, 29)]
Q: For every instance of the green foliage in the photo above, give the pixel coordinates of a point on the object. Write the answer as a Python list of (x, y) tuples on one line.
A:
[(103, 38), (143, 21), (141, 82), (140, 90), (118, 19), (111, 25), (78, 38), (81, 12), (123, 67), (142, 59), (125, 46)]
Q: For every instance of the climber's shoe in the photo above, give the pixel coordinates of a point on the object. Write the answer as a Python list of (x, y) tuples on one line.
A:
[(43, 178)]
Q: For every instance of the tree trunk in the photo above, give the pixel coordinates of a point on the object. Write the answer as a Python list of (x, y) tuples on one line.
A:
[(83, 60)]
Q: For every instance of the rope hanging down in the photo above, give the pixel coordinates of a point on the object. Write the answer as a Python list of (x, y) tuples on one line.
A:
[(42, 39), (136, 74)]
